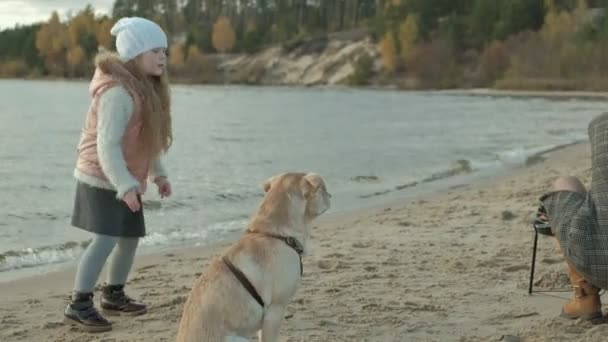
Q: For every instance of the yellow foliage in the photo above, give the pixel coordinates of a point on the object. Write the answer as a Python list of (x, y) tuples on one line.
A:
[(76, 56), (104, 38), (52, 43), (77, 61), (223, 36), (558, 27), (390, 3), (15, 68), (388, 51), (83, 23), (176, 55), (581, 12), (408, 34), (51, 36)]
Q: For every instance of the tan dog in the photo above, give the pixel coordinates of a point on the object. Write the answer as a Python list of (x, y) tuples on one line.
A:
[(220, 308)]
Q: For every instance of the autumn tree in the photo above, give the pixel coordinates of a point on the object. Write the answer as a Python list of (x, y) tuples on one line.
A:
[(52, 44), (408, 34), (82, 31), (176, 58), (388, 51), (223, 35), (103, 35), (14, 68), (77, 61)]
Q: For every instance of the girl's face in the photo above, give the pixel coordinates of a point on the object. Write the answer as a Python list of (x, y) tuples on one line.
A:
[(153, 62)]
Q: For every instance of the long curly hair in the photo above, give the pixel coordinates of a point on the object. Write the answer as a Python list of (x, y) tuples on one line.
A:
[(157, 135)]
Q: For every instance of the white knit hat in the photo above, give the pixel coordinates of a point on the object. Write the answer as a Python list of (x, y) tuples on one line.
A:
[(135, 35)]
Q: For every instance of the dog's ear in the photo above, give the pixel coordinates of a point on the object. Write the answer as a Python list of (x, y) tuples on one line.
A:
[(268, 183), (314, 180), (306, 187), (310, 183)]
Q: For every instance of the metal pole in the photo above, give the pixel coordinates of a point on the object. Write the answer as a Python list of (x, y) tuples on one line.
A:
[(533, 262)]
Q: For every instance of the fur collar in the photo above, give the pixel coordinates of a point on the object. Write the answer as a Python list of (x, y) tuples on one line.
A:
[(109, 69)]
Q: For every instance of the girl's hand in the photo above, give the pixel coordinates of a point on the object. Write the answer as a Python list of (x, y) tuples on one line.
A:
[(131, 200), (164, 187)]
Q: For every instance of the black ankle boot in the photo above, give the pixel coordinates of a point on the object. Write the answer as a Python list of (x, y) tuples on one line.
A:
[(115, 302), (81, 312)]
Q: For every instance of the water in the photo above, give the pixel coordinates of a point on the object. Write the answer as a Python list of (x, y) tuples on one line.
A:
[(228, 140)]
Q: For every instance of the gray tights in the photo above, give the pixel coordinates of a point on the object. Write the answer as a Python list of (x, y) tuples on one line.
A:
[(94, 257)]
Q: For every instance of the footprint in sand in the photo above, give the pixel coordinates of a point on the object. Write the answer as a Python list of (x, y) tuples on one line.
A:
[(145, 268), (516, 268), (362, 244), (550, 261), (334, 255), (327, 264), (175, 301), (137, 279), (52, 325)]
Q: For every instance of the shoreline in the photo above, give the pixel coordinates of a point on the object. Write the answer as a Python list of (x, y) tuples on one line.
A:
[(492, 92), (549, 94), (448, 265)]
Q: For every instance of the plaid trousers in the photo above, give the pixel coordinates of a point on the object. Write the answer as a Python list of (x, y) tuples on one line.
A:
[(580, 220)]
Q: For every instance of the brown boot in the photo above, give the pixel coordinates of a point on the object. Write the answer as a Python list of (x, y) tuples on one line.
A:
[(586, 303)]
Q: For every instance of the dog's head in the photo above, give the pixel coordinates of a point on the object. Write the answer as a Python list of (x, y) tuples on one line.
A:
[(298, 194)]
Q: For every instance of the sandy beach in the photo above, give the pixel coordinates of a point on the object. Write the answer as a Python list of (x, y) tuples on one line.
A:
[(451, 266)]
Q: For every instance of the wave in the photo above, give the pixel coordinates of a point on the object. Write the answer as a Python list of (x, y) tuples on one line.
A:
[(530, 156), (33, 257), (460, 166), (509, 158)]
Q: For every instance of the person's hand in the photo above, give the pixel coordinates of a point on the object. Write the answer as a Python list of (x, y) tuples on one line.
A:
[(131, 200), (164, 187)]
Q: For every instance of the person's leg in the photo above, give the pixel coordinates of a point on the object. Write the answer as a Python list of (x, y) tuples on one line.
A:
[(122, 260), (114, 301), (80, 310), (568, 183), (586, 303), (541, 222), (92, 261)]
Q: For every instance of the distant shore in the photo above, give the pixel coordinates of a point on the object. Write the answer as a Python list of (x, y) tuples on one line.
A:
[(549, 94)]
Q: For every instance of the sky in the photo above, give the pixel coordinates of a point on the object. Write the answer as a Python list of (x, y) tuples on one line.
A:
[(13, 12)]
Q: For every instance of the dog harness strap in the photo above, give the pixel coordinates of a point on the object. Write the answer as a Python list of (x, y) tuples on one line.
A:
[(293, 243), (289, 241), (243, 279)]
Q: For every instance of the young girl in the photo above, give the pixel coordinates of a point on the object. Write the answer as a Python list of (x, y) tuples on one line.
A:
[(127, 128)]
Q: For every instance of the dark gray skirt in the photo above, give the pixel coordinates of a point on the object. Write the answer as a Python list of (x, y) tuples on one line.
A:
[(99, 211)]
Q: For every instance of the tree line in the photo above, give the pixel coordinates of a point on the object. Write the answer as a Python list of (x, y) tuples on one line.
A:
[(423, 43)]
